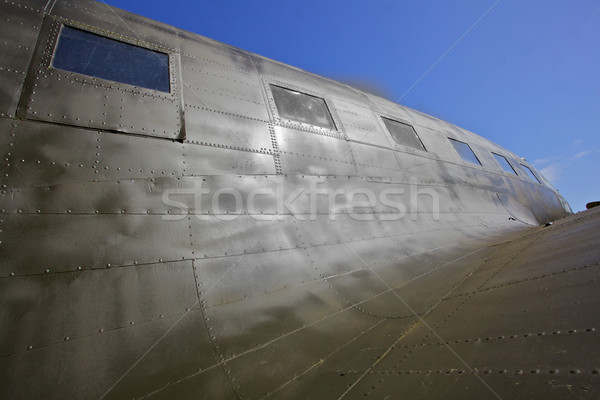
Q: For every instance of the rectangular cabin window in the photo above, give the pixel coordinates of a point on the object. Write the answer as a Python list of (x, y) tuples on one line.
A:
[(301, 107), (101, 57), (530, 173), (504, 164), (465, 151), (403, 134)]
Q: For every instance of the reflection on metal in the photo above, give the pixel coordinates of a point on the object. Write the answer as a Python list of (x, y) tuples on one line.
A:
[(229, 240)]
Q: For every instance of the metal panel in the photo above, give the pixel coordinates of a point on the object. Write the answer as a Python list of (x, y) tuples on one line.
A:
[(337, 371), (234, 279), (67, 154), (210, 160), (257, 322), (114, 20), (96, 102), (228, 91), (107, 299), (295, 357), (361, 124), (227, 130), (22, 21), (375, 161), (90, 366), (213, 54), (64, 242), (306, 153)]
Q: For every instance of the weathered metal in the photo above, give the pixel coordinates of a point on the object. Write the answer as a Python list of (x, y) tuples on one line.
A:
[(202, 243)]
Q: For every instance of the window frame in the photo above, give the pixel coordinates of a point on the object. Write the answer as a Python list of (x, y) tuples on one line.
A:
[(118, 39), (466, 162), (383, 118), (337, 132), (93, 102), (527, 168), (494, 154)]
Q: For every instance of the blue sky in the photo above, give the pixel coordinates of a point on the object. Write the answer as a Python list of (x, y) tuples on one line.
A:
[(526, 75)]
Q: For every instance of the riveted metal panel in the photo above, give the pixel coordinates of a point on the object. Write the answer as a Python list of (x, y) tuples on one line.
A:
[(210, 383), (111, 19), (337, 130), (246, 326), (237, 132), (295, 357), (336, 372), (237, 278), (88, 367), (303, 152), (227, 91), (67, 154), (211, 160), (227, 59), (186, 348), (22, 21), (66, 241), (235, 235), (110, 298), (96, 102)]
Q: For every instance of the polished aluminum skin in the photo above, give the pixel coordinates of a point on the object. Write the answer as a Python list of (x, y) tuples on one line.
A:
[(258, 232)]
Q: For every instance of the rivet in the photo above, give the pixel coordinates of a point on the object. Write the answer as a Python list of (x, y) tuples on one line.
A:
[(47, 271)]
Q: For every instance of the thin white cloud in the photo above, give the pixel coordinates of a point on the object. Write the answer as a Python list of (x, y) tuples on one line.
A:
[(552, 172), (581, 154)]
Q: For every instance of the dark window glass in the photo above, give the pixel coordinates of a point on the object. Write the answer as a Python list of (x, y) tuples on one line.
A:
[(403, 134), (90, 54), (465, 152), (530, 173), (504, 163), (302, 107)]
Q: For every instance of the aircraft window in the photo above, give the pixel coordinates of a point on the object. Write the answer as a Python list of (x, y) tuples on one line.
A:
[(465, 151), (403, 134), (530, 173), (90, 54), (302, 107), (504, 163)]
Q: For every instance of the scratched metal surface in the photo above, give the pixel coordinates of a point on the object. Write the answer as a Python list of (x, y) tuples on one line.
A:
[(109, 291)]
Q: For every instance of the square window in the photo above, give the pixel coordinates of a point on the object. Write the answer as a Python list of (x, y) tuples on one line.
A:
[(530, 173), (465, 151), (504, 164), (301, 107), (101, 57), (403, 134)]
